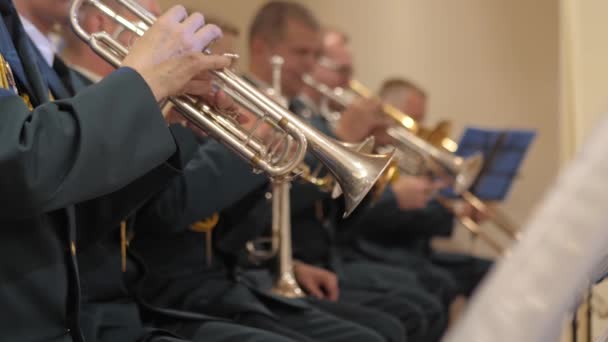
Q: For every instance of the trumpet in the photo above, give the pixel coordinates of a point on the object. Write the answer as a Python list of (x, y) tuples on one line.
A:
[(421, 150), (438, 136), (356, 172), (463, 171)]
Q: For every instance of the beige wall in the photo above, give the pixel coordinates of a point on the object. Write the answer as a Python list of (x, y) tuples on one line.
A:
[(491, 63)]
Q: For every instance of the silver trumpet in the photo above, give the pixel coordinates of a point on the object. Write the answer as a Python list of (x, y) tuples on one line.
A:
[(356, 172), (280, 241), (422, 150), (285, 283), (461, 171)]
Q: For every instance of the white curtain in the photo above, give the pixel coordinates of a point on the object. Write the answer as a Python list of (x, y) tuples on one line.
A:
[(583, 70)]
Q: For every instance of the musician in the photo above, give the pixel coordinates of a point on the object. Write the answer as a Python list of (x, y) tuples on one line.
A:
[(416, 309), (191, 268), (99, 306), (78, 164), (400, 246)]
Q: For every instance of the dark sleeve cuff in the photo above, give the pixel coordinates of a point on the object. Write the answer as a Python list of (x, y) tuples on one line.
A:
[(186, 143)]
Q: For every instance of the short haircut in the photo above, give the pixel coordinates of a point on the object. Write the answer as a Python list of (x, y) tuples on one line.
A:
[(270, 22), (392, 84)]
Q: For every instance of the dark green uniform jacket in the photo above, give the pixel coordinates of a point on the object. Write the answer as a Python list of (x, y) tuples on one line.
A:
[(61, 154)]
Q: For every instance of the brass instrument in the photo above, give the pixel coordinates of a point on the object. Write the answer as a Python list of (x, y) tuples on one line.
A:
[(438, 136), (356, 172), (280, 242), (416, 157), (462, 171)]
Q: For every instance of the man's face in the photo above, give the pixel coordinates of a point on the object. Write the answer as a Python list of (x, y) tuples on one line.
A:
[(300, 48), (408, 101), (50, 11), (335, 68), (415, 105)]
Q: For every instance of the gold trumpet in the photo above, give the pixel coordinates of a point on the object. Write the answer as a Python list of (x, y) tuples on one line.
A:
[(462, 171), (439, 137), (356, 172), (421, 150)]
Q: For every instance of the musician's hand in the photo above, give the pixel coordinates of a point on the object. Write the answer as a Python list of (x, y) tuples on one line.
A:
[(318, 282), (466, 209), (414, 192), (168, 56), (360, 119)]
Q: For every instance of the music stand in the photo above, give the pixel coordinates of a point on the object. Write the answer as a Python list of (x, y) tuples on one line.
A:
[(503, 151)]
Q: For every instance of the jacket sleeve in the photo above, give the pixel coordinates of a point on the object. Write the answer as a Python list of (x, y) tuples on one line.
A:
[(384, 217), (213, 180), (72, 150), (101, 215)]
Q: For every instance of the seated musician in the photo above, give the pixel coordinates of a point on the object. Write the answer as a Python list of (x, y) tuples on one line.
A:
[(408, 244), (109, 311), (70, 165), (189, 251), (403, 211)]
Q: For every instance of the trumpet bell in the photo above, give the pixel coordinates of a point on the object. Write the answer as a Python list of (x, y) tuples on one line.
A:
[(356, 172), (287, 286)]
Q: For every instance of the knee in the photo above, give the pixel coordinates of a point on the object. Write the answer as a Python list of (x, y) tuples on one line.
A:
[(392, 329), (366, 334)]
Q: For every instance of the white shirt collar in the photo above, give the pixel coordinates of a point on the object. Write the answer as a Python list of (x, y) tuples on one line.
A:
[(42, 42)]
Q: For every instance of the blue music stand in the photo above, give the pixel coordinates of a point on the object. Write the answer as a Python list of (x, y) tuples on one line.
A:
[(503, 151)]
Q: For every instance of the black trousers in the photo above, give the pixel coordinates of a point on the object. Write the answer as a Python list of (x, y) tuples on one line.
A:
[(396, 292), (385, 324), (467, 271), (215, 331), (311, 325)]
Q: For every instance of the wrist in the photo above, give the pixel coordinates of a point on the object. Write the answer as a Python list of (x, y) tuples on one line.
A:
[(153, 84)]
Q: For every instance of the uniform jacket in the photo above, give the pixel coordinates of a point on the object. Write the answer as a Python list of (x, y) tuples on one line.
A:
[(52, 160)]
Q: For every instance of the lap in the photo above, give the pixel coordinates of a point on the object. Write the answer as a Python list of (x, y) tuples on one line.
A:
[(468, 271), (232, 332), (318, 325), (385, 324)]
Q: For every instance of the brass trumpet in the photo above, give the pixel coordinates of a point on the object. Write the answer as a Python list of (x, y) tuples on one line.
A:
[(462, 171), (355, 171), (429, 150)]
